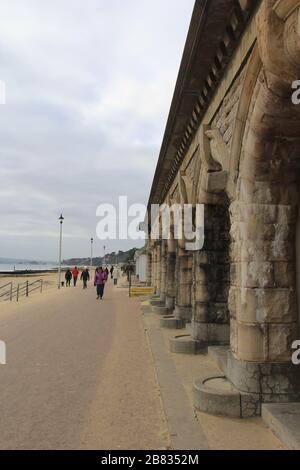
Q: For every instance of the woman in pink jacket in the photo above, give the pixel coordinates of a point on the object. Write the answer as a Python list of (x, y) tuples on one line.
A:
[(99, 282)]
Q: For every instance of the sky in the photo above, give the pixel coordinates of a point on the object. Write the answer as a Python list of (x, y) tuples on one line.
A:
[(89, 85)]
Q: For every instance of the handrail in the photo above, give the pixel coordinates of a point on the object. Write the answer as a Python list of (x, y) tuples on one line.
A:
[(5, 285), (20, 290)]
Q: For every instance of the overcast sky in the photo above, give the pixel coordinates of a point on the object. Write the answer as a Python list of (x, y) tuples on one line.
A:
[(89, 85)]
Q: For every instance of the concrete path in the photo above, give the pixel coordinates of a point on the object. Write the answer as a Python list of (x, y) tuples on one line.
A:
[(79, 375)]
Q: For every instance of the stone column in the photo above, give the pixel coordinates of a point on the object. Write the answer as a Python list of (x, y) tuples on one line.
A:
[(183, 303), (149, 268), (211, 273), (263, 304), (154, 268), (170, 275), (158, 267), (163, 267)]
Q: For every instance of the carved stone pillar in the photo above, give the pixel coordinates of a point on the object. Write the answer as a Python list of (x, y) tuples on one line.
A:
[(170, 275), (211, 273), (154, 268), (158, 267), (163, 268), (263, 303), (149, 268), (183, 302)]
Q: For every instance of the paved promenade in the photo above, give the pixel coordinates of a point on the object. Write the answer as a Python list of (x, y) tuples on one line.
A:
[(79, 375)]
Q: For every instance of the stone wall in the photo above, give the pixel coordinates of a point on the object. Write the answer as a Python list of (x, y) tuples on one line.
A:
[(244, 166)]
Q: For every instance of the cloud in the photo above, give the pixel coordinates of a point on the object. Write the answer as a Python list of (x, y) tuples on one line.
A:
[(89, 85)]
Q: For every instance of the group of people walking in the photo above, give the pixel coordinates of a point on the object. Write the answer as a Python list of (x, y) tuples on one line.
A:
[(100, 278)]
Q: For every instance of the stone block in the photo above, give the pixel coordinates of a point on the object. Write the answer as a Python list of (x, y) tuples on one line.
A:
[(252, 342), (263, 305), (273, 381), (233, 336), (254, 274), (215, 182), (211, 333), (247, 251), (284, 421), (281, 337), (284, 274), (265, 214)]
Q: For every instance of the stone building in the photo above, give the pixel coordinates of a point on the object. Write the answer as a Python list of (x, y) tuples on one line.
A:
[(232, 143)]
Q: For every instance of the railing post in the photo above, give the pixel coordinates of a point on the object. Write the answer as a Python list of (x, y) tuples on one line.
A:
[(129, 283), (11, 291), (18, 288), (41, 285), (27, 290)]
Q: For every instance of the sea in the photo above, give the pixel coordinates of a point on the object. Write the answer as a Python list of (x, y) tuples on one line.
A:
[(10, 267)]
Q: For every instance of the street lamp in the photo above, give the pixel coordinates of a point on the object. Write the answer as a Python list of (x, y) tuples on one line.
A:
[(104, 255), (92, 241), (61, 219)]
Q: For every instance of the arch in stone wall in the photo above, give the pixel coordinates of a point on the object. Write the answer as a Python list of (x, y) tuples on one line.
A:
[(265, 202)]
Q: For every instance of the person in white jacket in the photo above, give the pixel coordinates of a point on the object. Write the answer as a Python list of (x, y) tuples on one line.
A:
[(116, 275)]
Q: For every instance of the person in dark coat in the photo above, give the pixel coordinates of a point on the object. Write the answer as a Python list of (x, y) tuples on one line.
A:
[(112, 272), (68, 277), (85, 277)]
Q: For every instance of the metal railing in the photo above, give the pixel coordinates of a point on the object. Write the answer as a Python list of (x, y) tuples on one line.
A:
[(10, 292)]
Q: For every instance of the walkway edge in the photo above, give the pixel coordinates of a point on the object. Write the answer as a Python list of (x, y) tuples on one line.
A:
[(185, 431)]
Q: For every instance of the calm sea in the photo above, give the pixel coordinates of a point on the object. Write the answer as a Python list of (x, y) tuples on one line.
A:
[(26, 267)]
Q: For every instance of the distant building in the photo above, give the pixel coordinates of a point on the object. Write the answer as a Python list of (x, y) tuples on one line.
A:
[(140, 259)]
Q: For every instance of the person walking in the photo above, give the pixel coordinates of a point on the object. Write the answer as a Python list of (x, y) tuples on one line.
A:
[(75, 274), (116, 275), (85, 277), (99, 282), (112, 272), (68, 277)]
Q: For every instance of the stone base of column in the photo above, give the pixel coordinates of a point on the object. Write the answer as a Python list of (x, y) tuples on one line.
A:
[(185, 344), (170, 302), (213, 334), (156, 302), (160, 310), (183, 313), (217, 396), (274, 382), (245, 386), (172, 323)]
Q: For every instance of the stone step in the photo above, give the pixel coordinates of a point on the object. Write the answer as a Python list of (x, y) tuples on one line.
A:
[(216, 395), (284, 421), (171, 322), (185, 344), (219, 355)]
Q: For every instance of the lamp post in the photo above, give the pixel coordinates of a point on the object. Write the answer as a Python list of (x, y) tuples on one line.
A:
[(92, 241), (61, 219), (104, 255)]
